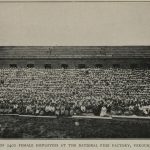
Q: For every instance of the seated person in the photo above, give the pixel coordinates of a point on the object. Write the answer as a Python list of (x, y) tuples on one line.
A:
[(62, 110), (52, 109), (57, 110), (83, 108), (28, 109), (47, 109)]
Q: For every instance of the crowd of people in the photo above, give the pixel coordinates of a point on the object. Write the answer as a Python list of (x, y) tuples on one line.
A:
[(68, 92)]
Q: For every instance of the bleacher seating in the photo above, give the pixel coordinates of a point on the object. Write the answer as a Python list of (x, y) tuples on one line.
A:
[(122, 89)]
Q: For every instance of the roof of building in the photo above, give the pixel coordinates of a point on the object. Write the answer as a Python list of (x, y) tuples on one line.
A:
[(74, 52)]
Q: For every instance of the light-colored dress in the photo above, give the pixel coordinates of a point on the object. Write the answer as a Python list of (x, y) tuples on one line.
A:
[(103, 111)]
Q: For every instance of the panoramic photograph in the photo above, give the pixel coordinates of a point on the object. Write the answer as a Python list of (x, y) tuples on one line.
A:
[(73, 92)]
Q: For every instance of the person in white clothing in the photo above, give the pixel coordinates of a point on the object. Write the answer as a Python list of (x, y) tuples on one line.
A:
[(103, 112)]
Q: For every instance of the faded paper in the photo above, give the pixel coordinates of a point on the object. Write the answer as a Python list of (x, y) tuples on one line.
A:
[(81, 23), (89, 24)]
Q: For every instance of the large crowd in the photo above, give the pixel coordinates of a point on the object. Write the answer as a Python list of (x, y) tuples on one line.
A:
[(68, 92)]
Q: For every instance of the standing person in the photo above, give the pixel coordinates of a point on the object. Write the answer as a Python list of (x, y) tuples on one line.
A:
[(103, 111)]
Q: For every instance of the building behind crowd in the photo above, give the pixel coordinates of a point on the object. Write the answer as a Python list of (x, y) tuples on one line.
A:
[(75, 56)]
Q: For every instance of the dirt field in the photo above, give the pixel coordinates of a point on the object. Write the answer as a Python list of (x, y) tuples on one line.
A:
[(29, 127)]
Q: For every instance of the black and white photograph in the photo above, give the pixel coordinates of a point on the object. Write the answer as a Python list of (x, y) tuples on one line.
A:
[(75, 91), (74, 71)]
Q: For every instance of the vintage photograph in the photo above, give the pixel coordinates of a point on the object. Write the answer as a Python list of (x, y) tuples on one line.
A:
[(74, 92)]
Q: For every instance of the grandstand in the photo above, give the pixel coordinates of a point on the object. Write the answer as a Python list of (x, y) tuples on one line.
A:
[(74, 56), (107, 84)]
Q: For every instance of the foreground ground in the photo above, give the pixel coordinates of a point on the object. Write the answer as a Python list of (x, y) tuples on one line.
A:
[(36, 127)]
